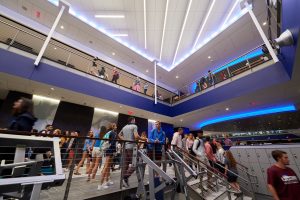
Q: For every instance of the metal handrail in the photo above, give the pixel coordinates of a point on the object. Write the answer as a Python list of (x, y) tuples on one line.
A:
[(206, 74)]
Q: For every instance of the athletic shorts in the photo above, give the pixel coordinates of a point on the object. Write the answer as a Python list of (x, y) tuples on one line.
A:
[(97, 152)]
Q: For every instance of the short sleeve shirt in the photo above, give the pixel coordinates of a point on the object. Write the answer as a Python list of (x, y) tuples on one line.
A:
[(128, 134), (285, 182)]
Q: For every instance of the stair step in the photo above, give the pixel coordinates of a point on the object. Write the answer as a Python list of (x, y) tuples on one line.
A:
[(233, 197)]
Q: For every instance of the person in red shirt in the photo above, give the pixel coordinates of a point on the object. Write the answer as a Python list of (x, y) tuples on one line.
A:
[(283, 182)]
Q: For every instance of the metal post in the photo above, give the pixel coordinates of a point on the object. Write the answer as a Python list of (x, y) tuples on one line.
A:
[(262, 34), (41, 53), (71, 172), (155, 84), (13, 40)]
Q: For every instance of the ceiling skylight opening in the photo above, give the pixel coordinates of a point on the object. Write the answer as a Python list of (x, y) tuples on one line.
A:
[(163, 33), (182, 29), (145, 25), (230, 12), (110, 16), (204, 23)]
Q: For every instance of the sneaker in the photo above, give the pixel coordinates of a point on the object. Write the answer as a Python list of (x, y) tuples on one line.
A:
[(102, 187), (125, 183), (109, 183)]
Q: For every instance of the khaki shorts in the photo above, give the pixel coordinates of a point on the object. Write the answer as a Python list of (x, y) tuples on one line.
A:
[(97, 152)]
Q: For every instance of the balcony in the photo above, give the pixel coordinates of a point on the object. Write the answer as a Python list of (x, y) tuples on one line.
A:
[(69, 58)]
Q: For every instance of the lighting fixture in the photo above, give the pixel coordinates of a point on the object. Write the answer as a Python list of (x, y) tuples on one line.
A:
[(120, 106), (286, 108), (285, 39), (62, 27), (230, 12), (182, 29), (204, 23), (120, 35), (113, 53), (209, 57), (265, 23), (110, 16), (176, 76), (107, 111), (181, 120), (163, 33), (145, 24), (227, 109), (151, 120), (43, 98), (147, 70), (52, 88), (55, 48)]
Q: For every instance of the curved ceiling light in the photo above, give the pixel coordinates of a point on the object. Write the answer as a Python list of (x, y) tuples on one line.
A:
[(259, 112)]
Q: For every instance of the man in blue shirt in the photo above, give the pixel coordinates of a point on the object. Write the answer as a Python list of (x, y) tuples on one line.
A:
[(158, 137)]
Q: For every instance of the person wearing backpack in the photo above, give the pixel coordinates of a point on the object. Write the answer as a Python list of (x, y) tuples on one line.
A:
[(198, 146), (109, 148)]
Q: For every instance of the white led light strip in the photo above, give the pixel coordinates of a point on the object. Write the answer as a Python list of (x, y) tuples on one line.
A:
[(204, 23), (230, 12), (163, 33), (182, 29)]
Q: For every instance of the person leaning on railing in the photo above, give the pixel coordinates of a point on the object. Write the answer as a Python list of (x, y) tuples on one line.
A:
[(156, 139)]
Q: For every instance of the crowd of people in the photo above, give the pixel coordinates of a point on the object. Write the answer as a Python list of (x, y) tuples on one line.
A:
[(103, 149)]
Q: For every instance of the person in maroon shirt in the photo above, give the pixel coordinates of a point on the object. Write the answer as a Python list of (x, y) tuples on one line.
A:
[(283, 182)]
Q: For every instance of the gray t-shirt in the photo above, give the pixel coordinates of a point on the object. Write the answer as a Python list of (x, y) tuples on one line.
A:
[(128, 133)]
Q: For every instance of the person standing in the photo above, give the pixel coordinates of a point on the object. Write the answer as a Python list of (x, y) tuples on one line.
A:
[(231, 171), (283, 182), (220, 155), (115, 75), (156, 139), (227, 141), (109, 151), (87, 149), (23, 118), (129, 133), (177, 139), (146, 85), (198, 147)]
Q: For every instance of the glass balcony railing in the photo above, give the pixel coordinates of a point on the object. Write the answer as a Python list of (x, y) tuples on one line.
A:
[(248, 61), (26, 39)]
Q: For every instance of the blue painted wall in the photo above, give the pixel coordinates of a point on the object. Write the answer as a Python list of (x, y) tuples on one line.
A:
[(290, 20)]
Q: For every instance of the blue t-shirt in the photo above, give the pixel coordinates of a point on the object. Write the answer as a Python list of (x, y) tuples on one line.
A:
[(88, 142), (98, 142)]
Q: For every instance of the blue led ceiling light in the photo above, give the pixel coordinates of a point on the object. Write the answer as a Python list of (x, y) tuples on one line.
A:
[(272, 110), (183, 57)]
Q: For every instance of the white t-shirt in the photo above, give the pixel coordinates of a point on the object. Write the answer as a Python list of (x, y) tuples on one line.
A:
[(177, 140)]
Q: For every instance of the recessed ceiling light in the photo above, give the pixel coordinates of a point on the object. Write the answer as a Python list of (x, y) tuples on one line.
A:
[(62, 27), (113, 53), (181, 120), (227, 109), (110, 16), (147, 70), (52, 88), (265, 23), (177, 76), (209, 57), (55, 48), (120, 106)]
